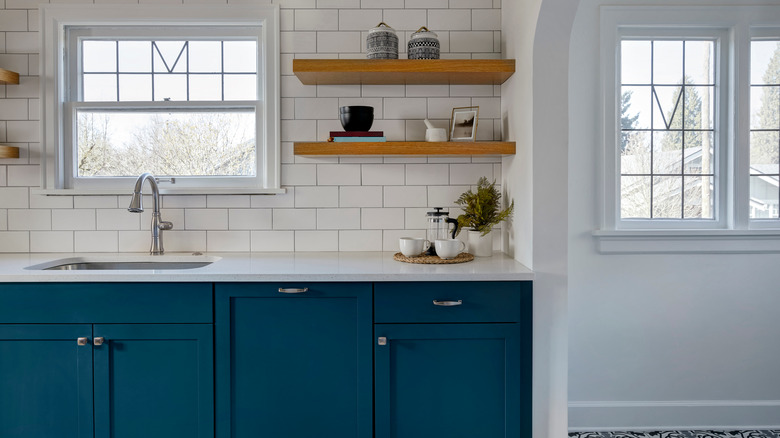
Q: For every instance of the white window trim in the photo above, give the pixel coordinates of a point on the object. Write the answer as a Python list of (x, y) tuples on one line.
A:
[(55, 18), (732, 231)]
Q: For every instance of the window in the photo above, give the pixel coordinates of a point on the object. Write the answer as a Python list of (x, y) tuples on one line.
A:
[(184, 93), (691, 128)]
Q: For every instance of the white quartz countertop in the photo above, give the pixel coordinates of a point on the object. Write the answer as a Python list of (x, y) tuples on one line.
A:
[(260, 266)]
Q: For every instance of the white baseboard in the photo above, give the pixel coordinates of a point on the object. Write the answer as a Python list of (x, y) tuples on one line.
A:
[(673, 415)]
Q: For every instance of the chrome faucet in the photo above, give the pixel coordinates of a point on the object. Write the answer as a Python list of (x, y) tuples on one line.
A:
[(136, 206)]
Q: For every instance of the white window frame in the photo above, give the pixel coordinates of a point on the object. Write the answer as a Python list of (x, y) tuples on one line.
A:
[(57, 91), (732, 231)]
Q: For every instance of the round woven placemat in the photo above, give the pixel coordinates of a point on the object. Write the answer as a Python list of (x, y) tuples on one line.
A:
[(433, 260)]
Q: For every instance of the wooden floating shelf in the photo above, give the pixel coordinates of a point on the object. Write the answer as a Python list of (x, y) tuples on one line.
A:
[(403, 71), (9, 151), (8, 77), (406, 148)]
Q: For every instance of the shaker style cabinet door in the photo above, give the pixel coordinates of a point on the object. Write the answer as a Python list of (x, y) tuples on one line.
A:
[(45, 381), (452, 380), (154, 380), (294, 360)]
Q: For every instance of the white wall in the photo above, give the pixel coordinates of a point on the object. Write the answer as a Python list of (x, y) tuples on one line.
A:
[(659, 341), (332, 204)]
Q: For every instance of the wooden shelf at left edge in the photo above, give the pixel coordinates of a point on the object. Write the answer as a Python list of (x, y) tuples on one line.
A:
[(9, 151), (406, 148), (8, 77)]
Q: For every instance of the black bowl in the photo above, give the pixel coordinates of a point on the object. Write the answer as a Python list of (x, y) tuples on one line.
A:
[(356, 118)]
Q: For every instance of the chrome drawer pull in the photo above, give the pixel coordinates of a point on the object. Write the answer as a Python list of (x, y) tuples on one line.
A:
[(447, 303), (293, 290)]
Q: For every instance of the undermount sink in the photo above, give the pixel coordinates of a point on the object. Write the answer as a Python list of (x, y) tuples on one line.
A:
[(121, 263)]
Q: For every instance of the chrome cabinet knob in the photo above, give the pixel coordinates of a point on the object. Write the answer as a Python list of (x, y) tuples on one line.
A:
[(98, 341), (381, 340), (82, 341)]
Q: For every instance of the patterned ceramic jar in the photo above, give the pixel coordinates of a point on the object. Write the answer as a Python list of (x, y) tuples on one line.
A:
[(424, 44), (382, 42)]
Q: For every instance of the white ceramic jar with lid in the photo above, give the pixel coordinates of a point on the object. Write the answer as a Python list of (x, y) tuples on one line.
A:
[(424, 44), (382, 42)]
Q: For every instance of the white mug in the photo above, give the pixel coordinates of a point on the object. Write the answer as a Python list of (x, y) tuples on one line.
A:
[(413, 246), (448, 248)]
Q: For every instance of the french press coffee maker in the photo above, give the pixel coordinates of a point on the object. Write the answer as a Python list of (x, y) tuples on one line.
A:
[(439, 227)]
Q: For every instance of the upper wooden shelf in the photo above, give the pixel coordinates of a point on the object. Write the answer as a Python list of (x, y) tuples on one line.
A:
[(403, 71), (8, 77), (9, 151), (406, 148)]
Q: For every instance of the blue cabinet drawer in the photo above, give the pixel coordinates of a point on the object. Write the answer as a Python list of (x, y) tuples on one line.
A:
[(60, 303), (455, 302)]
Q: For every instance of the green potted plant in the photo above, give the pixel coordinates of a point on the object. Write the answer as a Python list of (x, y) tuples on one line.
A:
[(481, 212)]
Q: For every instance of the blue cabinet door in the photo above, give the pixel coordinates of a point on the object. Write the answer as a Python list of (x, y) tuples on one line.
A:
[(452, 380), (294, 365), (154, 381), (45, 381)]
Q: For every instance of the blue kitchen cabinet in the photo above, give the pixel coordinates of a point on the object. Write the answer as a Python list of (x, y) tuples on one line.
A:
[(294, 360), (122, 380), (453, 360)]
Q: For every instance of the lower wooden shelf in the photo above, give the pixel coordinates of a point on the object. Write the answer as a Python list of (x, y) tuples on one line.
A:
[(9, 151), (406, 148)]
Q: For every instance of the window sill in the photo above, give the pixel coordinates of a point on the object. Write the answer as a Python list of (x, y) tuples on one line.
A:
[(687, 241), (177, 191)]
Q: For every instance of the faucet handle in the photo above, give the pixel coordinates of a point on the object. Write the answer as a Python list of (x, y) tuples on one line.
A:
[(165, 225)]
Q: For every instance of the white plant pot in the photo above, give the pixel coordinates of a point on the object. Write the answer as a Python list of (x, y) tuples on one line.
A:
[(480, 246)]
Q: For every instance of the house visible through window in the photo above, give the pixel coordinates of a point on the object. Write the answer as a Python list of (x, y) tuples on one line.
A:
[(764, 129)]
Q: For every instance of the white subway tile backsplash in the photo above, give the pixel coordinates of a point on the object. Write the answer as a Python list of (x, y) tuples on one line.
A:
[(384, 91), (96, 241), (360, 196), (445, 196), (299, 174), (184, 241), (383, 174), (489, 107), (287, 19), (381, 4), (227, 201), (338, 218), (42, 201), (51, 241), (338, 174), (338, 42), (23, 131), (28, 176), (416, 218), (471, 90), (427, 91), (28, 87), (325, 126), (316, 108), (299, 130), (29, 219), (286, 200), (406, 19), (360, 240), (486, 19), (449, 19), (471, 3), (395, 130), (415, 130), (405, 108), (316, 19), (337, 90), (206, 219), (117, 219), (273, 241), (14, 109), (250, 219), (99, 201), (15, 62), (14, 241), (140, 241), (228, 241), (73, 219), (297, 42), (13, 20), (292, 87), (427, 174), (359, 19), (470, 173), (3, 175), (338, 4), (316, 197), (291, 4), (316, 240), (14, 197), (295, 219), (441, 107), (382, 218), (474, 41), (405, 196), (173, 201), (428, 4), (22, 42)]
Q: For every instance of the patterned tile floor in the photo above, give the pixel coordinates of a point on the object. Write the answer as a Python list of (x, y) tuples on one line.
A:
[(681, 434)]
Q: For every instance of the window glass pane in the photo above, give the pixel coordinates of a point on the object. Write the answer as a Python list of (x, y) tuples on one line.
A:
[(170, 56), (667, 197), (241, 87), (635, 107), (667, 107), (206, 87), (166, 143), (99, 88), (764, 197), (635, 62), (765, 62), (240, 56), (635, 197), (765, 107), (170, 87), (764, 152), (635, 153), (135, 87), (699, 62), (667, 152), (699, 200), (668, 62), (699, 159), (135, 56), (206, 56), (765, 128), (699, 106), (98, 56)]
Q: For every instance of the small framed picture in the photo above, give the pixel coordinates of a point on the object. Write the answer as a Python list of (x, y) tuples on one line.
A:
[(463, 125)]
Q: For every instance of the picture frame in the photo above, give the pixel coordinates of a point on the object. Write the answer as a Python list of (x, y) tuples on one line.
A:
[(463, 124)]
